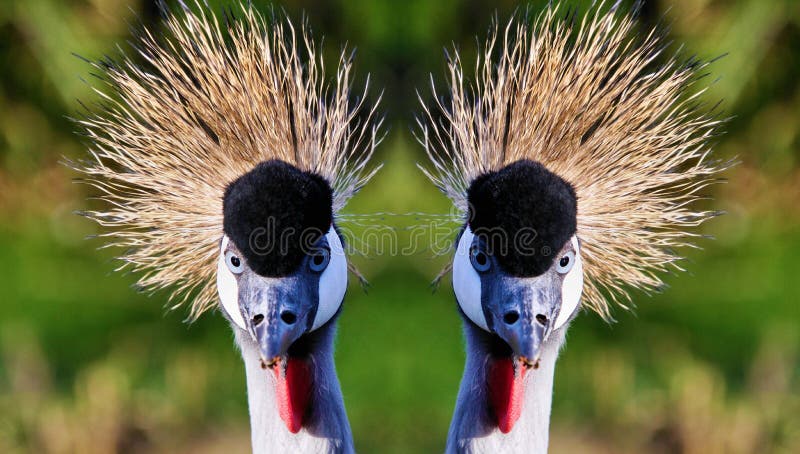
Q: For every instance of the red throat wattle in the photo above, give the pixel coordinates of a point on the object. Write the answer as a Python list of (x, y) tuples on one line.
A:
[(506, 392), (293, 392)]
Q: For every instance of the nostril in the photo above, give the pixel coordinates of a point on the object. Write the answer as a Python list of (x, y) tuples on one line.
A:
[(541, 318), (257, 319), (511, 317), (288, 317)]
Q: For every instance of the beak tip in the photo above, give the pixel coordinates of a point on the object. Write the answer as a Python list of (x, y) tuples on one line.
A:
[(271, 363), (530, 363)]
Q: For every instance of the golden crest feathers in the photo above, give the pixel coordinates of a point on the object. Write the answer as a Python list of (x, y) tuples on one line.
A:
[(210, 101), (591, 99)]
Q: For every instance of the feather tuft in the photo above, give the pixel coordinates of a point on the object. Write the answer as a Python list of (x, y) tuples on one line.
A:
[(590, 98), (193, 110)]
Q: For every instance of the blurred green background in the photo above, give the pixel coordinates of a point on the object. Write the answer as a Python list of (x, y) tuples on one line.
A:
[(88, 365)]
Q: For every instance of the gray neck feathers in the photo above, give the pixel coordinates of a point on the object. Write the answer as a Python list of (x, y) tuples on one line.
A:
[(473, 429), (326, 428)]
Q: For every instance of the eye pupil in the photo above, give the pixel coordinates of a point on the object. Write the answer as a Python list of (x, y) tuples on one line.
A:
[(235, 261), (480, 257), (564, 261), (318, 259)]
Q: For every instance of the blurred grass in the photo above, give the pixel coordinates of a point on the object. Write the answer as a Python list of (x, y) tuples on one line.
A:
[(710, 365)]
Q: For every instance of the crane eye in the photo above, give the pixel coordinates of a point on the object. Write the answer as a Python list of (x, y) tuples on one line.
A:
[(235, 264), (329, 262), (565, 262), (319, 259), (480, 260), (467, 278)]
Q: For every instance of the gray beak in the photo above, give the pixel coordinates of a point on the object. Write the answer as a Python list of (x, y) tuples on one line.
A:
[(522, 312), (277, 315)]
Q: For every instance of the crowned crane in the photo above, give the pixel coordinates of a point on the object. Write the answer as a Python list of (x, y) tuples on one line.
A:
[(576, 161), (223, 158)]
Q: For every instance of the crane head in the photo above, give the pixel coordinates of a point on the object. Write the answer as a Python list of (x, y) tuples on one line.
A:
[(220, 163), (517, 272), (554, 112)]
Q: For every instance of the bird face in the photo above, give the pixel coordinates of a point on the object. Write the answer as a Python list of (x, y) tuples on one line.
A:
[(522, 311), (517, 272), (282, 271), (276, 311)]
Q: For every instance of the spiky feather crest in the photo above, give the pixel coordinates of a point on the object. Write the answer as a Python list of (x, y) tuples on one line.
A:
[(212, 100), (586, 97)]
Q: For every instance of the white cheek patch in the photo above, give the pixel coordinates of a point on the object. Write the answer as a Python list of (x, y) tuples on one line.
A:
[(228, 288), (467, 282), (571, 288), (333, 282)]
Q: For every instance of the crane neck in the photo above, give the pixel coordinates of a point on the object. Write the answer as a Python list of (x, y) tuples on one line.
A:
[(474, 427), (325, 426)]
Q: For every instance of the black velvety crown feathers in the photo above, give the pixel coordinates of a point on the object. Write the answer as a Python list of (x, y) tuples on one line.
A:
[(524, 214), (275, 214)]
